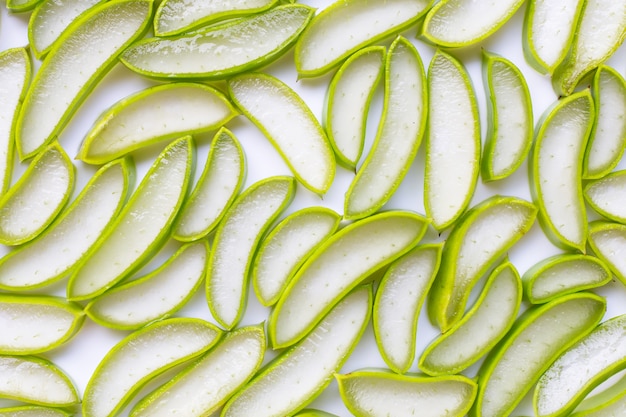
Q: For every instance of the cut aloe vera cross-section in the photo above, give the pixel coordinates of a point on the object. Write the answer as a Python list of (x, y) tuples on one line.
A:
[(607, 196), (607, 240)]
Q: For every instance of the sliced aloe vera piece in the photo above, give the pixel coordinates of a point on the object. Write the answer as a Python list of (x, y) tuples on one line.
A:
[(563, 274), (128, 125), (176, 16), (399, 133), (608, 138), (607, 196), (33, 202), (299, 138), (286, 247), (607, 240), (221, 180), (371, 393), (36, 381), (19, 6), (74, 66), (155, 295), (353, 253), (555, 170), (610, 402), (33, 411), (299, 374), (484, 325), (477, 241), (236, 241), (399, 300), (600, 31), (348, 100), (310, 412), (536, 340), (141, 356), (204, 386), (324, 43), (510, 119), (219, 52), (35, 324), (69, 237), (141, 226), (456, 23), (450, 177)]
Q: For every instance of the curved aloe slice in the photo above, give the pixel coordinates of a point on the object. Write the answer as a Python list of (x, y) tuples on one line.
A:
[(298, 375), (371, 393), (154, 296), (176, 16), (33, 411), (69, 238), (608, 241), (221, 51), (450, 177), (37, 381), (600, 31), (399, 133), (141, 226), (33, 202), (399, 300), (204, 386), (72, 69), (478, 240), (220, 182), (19, 6), (563, 274), (510, 120), (310, 412), (286, 247), (141, 356), (180, 109), (235, 243), (484, 325), (456, 23), (324, 43), (555, 170), (348, 99), (536, 340), (36, 324), (266, 101), (352, 254), (607, 197), (608, 138)]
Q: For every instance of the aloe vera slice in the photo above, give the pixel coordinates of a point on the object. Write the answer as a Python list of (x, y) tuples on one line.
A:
[(477, 241), (536, 340), (19, 6), (324, 43), (348, 100), (69, 238), (286, 247), (352, 254), (176, 16), (610, 402), (563, 274), (456, 23), (555, 170), (219, 52), (607, 240), (74, 66), (450, 177), (299, 138), (141, 356), (36, 381), (310, 412), (608, 138), (33, 202), (510, 119), (236, 240), (399, 300), (204, 386), (155, 295), (399, 133), (33, 411), (180, 109), (484, 325), (141, 226), (607, 197), (221, 180), (299, 374)]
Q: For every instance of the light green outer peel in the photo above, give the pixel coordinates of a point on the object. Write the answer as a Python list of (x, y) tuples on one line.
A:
[(20, 6), (399, 135), (33, 411), (555, 170), (610, 402), (310, 412), (607, 196), (537, 338), (607, 241)]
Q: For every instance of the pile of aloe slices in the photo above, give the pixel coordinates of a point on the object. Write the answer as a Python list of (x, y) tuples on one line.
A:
[(313, 208)]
